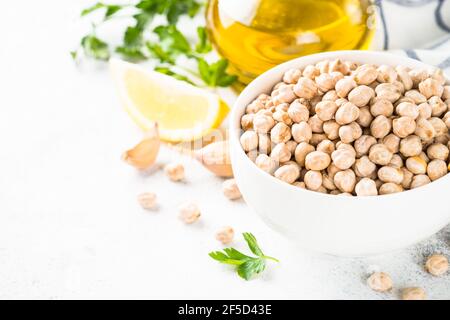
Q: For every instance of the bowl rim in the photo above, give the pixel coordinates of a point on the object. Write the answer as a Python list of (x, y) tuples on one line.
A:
[(275, 75)]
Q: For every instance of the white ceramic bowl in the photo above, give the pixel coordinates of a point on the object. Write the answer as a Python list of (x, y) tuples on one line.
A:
[(345, 226)]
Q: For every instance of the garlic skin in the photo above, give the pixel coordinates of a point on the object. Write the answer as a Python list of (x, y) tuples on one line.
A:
[(216, 158), (144, 154)]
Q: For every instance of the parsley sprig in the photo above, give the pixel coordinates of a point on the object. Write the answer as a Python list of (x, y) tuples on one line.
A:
[(246, 266), (139, 40)]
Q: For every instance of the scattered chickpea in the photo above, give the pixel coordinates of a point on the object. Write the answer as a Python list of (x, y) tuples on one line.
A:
[(189, 212), (415, 293), (437, 265), (175, 171), (147, 200), (225, 235), (231, 190), (380, 282)]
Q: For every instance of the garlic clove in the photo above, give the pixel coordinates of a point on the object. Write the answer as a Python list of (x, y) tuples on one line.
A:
[(144, 154), (216, 158)]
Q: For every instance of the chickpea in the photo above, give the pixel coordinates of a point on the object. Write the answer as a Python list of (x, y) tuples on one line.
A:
[(247, 121), (386, 74), (388, 91), (392, 142), (311, 72), (363, 144), (437, 265), (299, 184), (231, 189), (281, 107), (400, 87), (410, 146), (280, 133), (147, 200), (350, 133), (330, 96), (301, 132), (325, 82), (365, 75), (331, 129), (225, 235), (416, 165), (438, 107), (403, 126), (338, 65), (418, 75), (189, 212), (405, 78), (313, 180), (254, 107), (425, 110), (325, 110), (424, 157), (446, 119), (381, 107), (430, 87), (285, 94), (306, 88), (343, 158), (361, 95), (291, 145), (396, 162), (364, 167), (437, 169), (390, 174), (344, 86), (366, 187), (415, 293), (419, 181), (380, 282), (264, 143), (175, 171), (317, 161), (407, 109), (298, 112), (282, 116), (328, 182), (291, 76), (288, 173), (424, 130), (381, 127), (326, 146), (266, 163), (345, 180), (302, 150), (263, 123), (438, 151), (347, 113), (390, 188), (446, 93), (380, 154), (317, 138), (407, 178), (281, 153), (443, 139), (439, 126), (416, 96), (316, 124), (365, 117), (249, 140)]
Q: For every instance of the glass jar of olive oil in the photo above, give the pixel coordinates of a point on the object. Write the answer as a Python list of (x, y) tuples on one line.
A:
[(255, 35)]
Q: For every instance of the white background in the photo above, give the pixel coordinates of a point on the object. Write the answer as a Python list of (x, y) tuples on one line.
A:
[(70, 226)]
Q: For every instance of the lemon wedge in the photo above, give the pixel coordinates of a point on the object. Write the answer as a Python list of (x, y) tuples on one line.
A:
[(183, 112)]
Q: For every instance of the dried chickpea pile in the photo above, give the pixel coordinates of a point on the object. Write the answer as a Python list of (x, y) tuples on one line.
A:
[(344, 128)]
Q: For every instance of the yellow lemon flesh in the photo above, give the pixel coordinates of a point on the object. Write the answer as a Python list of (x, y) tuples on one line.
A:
[(183, 112)]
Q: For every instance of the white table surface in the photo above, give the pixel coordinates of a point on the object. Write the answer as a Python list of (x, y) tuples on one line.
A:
[(70, 226)]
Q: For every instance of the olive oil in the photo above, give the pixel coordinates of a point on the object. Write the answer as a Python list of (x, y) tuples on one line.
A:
[(256, 35)]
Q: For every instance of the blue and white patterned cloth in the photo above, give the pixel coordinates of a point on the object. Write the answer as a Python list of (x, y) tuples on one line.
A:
[(419, 29)]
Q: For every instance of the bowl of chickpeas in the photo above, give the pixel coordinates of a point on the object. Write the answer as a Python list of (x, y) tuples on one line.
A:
[(346, 152)]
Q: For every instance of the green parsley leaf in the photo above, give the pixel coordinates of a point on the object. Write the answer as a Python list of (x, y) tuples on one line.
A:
[(111, 9), (131, 53), (246, 267), (169, 72), (172, 39), (215, 75), (159, 53), (203, 45), (95, 48)]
